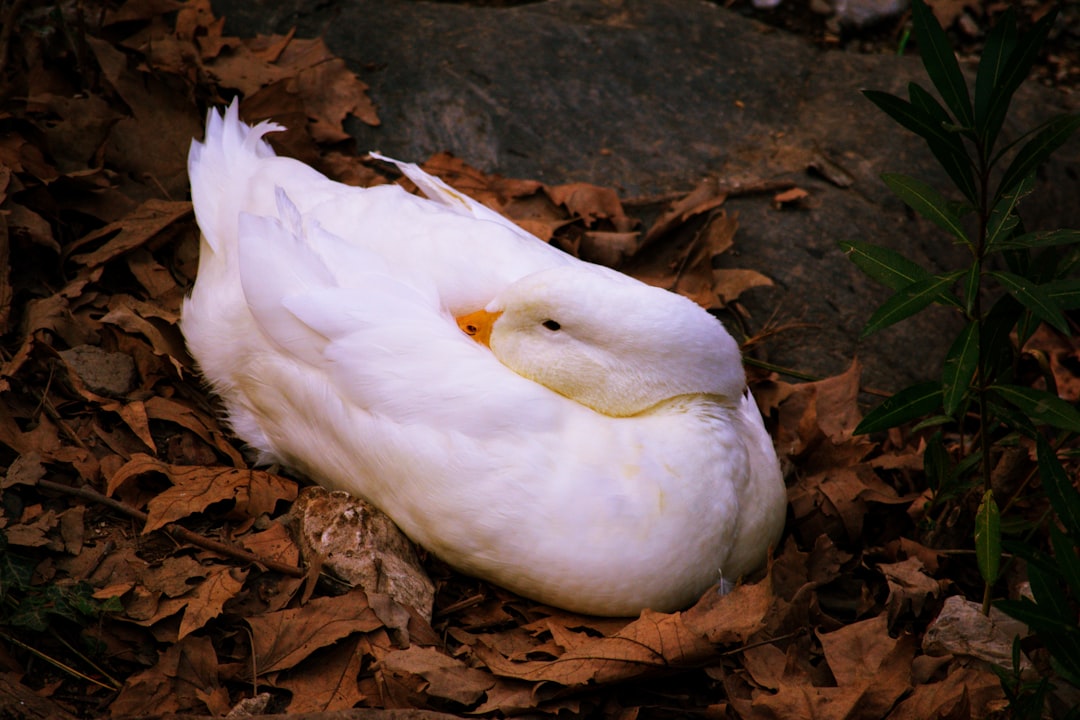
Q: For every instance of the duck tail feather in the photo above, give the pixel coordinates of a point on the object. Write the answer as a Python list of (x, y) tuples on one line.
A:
[(435, 189), (222, 161)]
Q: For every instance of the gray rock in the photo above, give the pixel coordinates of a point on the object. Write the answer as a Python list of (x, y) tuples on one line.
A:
[(647, 97), (357, 543), (106, 373)]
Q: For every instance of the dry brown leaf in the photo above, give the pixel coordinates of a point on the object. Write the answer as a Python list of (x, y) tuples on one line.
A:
[(707, 196), (730, 283), (240, 68), (855, 652), (326, 681), (33, 528), (195, 488), (591, 203), (77, 131), (207, 428), (208, 598), (652, 643), (131, 232), (329, 90), (648, 644), (863, 695), (444, 677), (765, 664), (964, 693), (792, 196), (273, 543), (184, 679), (795, 571), (26, 469), (608, 248), (734, 617), (284, 638), (910, 588), (173, 577), (143, 145)]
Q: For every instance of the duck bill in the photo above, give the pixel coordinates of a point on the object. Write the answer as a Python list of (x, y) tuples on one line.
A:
[(477, 325)]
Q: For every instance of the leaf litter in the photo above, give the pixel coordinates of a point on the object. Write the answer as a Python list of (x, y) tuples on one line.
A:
[(148, 568)]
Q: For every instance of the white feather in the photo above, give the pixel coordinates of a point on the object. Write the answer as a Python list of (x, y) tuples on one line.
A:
[(324, 317)]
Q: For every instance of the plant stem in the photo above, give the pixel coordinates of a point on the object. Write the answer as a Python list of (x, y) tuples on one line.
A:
[(982, 382)]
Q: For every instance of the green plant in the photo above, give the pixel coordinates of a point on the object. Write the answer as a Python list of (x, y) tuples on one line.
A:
[(1014, 281), (30, 612)]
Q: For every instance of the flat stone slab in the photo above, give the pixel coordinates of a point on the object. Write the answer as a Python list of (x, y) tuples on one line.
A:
[(648, 96)]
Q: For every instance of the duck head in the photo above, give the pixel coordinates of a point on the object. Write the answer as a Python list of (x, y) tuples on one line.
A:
[(609, 342)]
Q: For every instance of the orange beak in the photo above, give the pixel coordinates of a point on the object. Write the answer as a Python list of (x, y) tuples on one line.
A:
[(477, 325)]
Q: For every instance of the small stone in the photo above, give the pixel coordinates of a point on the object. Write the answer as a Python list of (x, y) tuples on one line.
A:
[(102, 372), (862, 13), (357, 543), (962, 629)]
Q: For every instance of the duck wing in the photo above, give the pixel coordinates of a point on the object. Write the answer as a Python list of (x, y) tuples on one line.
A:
[(387, 346), (436, 241)]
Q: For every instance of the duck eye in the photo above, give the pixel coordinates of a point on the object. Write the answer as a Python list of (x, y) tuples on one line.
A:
[(551, 325)]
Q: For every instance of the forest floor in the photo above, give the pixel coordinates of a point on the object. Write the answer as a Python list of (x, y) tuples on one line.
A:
[(148, 568)]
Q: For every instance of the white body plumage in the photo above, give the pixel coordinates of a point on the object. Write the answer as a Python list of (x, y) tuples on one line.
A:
[(323, 315)]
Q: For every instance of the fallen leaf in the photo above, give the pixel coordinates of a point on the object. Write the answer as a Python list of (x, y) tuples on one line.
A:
[(325, 682), (209, 597), (910, 588), (282, 639), (444, 677), (183, 680)]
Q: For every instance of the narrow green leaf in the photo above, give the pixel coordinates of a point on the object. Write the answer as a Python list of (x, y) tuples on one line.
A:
[(941, 65), (903, 112), (993, 64), (1037, 239), (972, 286), (1038, 618), (925, 117), (1034, 298), (1067, 559), (1065, 293), (960, 364), (933, 421), (1035, 151), (1047, 593), (937, 465), (926, 201), (947, 145), (886, 266), (1016, 420), (1040, 406), (1065, 265), (1003, 218), (910, 300), (1014, 69), (995, 341), (906, 405), (988, 538), (1065, 662), (1063, 496)]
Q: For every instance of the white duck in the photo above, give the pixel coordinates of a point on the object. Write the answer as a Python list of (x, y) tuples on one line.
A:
[(604, 455)]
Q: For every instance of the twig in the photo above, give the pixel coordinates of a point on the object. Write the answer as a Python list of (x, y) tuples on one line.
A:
[(759, 643), (805, 377), (758, 187), (53, 661), (51, 412), (179, 532), (116, 684)]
